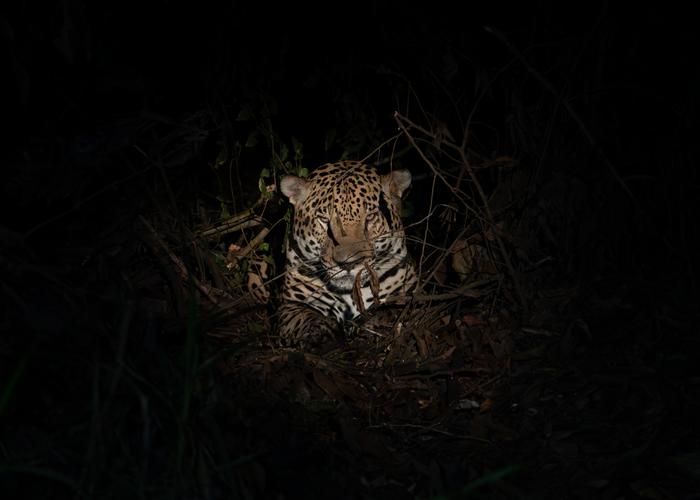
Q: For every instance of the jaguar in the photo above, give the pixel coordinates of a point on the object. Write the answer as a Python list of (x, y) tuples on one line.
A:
[(346, 250)]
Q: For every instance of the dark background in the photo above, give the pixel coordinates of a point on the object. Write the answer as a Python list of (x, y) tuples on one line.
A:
[(93, 91), (80, 75)]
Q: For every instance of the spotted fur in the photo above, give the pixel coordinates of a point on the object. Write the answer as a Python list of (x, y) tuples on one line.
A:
[(346, 224)]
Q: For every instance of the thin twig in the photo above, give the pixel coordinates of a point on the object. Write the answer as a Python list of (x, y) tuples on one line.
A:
[(233, 224), (82, 202), (152, 238), (574, 115), (466, 290), (496, 232), (402, 120), (429, 429), (444, 255), (254, 243)]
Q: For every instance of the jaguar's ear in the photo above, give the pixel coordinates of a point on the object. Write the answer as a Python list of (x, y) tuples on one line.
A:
[(295, 188), (396, 182)]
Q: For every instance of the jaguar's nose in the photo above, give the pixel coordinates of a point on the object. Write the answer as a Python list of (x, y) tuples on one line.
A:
[(348, 256)]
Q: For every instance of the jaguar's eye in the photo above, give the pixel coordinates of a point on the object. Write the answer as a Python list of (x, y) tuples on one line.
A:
[(371, 217)]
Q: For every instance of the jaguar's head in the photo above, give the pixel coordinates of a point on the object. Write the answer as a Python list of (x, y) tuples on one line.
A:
[(345, 216)]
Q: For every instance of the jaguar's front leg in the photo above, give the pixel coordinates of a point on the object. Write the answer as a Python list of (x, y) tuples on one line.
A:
[(303, 327)]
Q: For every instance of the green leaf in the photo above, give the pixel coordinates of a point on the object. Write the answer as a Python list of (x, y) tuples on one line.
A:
[(407, 209), (244, 114), (284, 152), (11, 384), (256, 328), (298, 149), (264, 246), (252, 139), (221, 158), (303, 172), (224, 213), (265, 172)]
